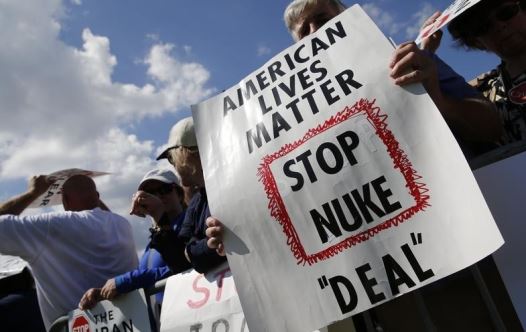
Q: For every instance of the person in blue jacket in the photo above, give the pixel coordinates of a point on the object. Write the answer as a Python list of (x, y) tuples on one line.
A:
[(162, 189)]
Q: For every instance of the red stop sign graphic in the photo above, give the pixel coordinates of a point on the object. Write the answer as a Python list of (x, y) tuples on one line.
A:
[(518, 94), (80, 324)]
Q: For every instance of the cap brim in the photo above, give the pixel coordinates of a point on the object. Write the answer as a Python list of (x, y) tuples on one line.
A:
[(156, 178), (164, 154)]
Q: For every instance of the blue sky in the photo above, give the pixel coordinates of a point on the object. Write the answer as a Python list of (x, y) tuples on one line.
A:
[(97, 84)]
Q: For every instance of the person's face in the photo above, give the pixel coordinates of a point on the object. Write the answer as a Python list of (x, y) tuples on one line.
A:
[(189, 169), (313, 18), (503, 31), (164, 191)]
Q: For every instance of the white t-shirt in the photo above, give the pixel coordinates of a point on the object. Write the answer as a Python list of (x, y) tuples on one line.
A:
[(69, 252)]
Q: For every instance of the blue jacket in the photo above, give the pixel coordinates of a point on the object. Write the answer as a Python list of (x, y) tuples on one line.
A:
[(152, 268), (191, 238)]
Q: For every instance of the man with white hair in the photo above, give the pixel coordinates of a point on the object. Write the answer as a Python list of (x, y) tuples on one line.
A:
[(68, 251)]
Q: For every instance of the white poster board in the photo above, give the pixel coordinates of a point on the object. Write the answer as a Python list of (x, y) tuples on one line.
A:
[(502, 184), (128, 312), (11, 265), (194, 302), (338, 189), (454, 10), (54, 194)]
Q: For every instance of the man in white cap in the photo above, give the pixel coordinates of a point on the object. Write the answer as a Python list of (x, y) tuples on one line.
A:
[(68, 251)]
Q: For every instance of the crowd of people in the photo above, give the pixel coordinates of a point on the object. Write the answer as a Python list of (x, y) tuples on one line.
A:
[(86, 253)]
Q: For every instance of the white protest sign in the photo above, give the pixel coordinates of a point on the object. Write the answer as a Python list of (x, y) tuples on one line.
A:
[(338, 189), (11, 265), (126, 313), (54, 194), (454, 10), (194, 302)]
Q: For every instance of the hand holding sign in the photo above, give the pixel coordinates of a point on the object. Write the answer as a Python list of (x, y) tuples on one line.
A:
[(39, 184), (409, 64), (455, 9), (109, 290), (90, 299), (215, 232), (432, 42)]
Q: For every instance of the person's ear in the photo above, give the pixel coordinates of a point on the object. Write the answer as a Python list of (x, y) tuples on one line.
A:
[(65, 202)]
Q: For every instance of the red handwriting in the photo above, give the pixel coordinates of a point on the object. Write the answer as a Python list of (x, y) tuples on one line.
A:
[(417, 189), (205, 292)]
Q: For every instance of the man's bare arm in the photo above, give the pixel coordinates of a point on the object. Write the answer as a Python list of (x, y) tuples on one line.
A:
[(16, 205)]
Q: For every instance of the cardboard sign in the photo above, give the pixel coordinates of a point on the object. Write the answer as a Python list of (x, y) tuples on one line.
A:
[(126, 313), (198, 303), (454, 10), (338, 189), (54, 194)]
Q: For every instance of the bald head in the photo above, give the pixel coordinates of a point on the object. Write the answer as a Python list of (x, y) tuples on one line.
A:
[(79, 193)]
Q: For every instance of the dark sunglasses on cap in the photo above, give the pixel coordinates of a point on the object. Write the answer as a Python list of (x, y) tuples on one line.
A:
[(503, 13)]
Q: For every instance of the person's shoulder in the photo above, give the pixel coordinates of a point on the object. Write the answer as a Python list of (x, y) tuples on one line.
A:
[(196, 199), (101, 215), (110, 214)]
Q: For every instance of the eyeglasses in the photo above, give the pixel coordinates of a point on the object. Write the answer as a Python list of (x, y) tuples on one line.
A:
[(160, 191), (502, 14), (169, 157)]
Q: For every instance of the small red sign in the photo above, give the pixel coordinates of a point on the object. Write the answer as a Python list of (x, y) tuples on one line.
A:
[(80, 324), (518, 94)]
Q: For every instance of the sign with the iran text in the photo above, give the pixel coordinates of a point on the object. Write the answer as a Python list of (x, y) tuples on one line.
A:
[(127, 312), (339, 190)]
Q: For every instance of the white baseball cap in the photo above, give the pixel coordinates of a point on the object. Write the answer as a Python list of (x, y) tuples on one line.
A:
[(181, 134), (163, 175)]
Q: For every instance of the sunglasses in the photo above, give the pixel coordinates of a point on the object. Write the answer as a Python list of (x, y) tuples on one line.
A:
[(160, 191), (502, 14)]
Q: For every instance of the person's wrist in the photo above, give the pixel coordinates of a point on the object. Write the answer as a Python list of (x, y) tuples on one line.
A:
[(34, 192), (163, 220)]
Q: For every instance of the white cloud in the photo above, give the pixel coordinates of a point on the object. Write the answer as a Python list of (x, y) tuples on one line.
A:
[(382, 18), (153, 36), (263, 50), (61, 107), (96, 60), (408, 27), (418, 19), (76, 2)]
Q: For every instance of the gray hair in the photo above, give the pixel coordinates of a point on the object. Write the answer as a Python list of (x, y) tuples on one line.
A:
[(296, 8)]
